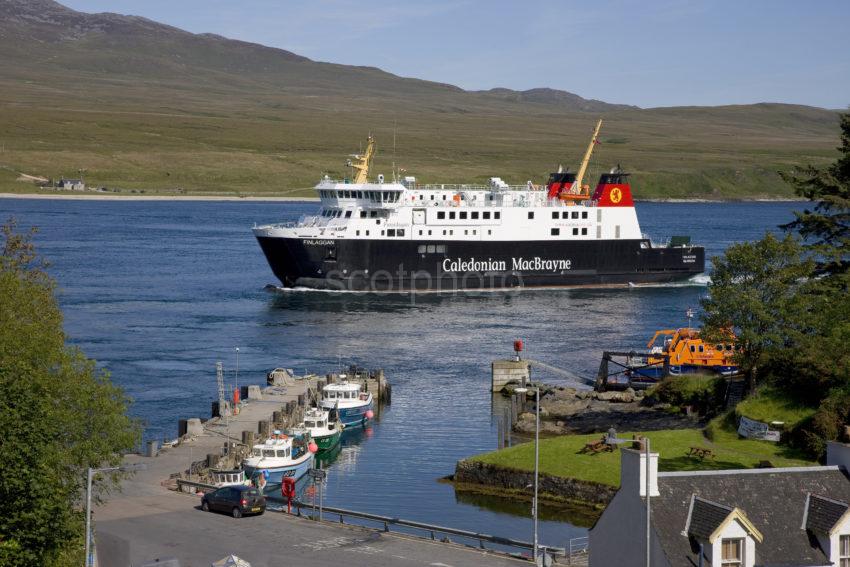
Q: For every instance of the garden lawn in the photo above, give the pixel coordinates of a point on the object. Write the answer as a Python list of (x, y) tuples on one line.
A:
[(770, 405), (562, 456)]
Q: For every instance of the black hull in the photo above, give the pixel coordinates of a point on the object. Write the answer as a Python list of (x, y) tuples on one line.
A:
[(400, 265)]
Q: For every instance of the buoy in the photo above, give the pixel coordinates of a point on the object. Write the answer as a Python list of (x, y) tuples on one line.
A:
[(370, 414), (312, 447)]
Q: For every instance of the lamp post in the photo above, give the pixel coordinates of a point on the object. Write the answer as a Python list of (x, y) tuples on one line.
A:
[(90, 472), (237, 374), (612, 439), (536, 463)]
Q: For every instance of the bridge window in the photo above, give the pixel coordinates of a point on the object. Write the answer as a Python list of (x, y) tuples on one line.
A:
[(556, 231)]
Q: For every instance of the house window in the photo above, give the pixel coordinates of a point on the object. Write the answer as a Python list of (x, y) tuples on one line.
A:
[(441, 215), (530, 215), (844, 551), (556, 231), (732, 553)]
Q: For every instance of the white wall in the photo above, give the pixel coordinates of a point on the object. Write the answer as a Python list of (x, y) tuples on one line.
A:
[(732, 531)]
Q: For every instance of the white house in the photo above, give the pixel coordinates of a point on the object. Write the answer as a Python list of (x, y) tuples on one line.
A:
[(781, 517), (71, 184)]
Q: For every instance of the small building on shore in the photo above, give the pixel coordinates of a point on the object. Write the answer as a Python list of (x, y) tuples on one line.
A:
[(71, 184), (789, 517)]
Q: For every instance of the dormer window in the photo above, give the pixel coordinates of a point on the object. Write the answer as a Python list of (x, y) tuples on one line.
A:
[(732, 552)]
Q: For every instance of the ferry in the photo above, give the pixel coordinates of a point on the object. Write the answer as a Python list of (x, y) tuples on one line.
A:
[(687, 354), (281, 456), (399, 235), (353, 406), (323, 430)]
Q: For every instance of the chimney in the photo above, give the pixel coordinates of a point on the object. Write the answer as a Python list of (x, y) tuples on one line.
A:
[(838, 454), (633, 472)]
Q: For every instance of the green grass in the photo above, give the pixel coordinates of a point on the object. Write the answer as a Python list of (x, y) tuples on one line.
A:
[(770, 404), (560, 456)]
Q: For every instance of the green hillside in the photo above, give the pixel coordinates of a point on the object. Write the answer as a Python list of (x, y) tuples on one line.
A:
[(139, 105)]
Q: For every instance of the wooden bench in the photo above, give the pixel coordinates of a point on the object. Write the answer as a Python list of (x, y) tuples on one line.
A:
[(700, 452), (598, 446)]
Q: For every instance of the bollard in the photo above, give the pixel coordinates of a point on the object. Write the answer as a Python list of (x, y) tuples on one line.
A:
[(212, 460), (522, 402), (263, 429), (302, 400), (277, 417), (514, 409), (152, 449), (248, 438)]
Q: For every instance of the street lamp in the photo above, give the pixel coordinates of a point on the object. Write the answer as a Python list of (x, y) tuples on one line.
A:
[(237, 373), (90, 472), (536, 461), (612, 439)]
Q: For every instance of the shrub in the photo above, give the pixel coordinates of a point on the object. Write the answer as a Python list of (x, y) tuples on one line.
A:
[(704, 393)]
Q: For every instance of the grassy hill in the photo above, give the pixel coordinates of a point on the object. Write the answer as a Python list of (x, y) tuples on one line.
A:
[(140, 105)]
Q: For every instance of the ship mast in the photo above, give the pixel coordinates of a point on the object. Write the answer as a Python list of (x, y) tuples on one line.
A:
[(586, 160), (361, 163)]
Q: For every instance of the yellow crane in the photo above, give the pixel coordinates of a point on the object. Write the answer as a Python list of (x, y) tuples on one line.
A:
[(361, 163), (583, 169)]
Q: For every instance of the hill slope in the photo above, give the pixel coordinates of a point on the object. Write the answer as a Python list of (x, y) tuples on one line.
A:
[(139, 104)]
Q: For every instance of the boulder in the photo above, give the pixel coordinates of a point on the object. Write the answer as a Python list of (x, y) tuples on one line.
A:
[(616, 397)]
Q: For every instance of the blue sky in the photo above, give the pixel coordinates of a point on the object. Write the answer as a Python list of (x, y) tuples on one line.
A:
[(648, 53)]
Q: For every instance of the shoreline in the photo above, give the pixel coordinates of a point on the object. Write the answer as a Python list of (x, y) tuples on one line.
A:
[(113, 197), (137, 197)]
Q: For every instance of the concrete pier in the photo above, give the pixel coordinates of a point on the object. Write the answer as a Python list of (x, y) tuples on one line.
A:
[(506, 371)]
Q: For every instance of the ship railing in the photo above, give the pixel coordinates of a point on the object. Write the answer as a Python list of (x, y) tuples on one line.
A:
[(429, 531)]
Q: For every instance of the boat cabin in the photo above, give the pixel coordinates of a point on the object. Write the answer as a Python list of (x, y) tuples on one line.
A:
[(343, 392), (684, 346), (228, 478)]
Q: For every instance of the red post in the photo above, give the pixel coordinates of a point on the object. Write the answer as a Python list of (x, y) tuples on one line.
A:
[(287, 490)]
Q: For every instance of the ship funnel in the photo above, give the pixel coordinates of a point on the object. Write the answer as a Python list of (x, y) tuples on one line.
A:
[(559, 182), (614, 190)]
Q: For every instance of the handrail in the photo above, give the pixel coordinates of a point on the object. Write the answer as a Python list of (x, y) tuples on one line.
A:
[(181, 482), (387, 521)]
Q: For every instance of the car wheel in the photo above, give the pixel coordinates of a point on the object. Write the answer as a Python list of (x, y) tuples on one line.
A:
[(237, 513), (205, 506)]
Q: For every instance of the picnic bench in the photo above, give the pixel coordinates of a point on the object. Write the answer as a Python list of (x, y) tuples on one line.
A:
[(700, 452), (598, 446)]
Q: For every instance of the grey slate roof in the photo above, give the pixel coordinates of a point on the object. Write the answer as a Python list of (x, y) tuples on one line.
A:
[(824, 513), (774, 500), (706, 516)]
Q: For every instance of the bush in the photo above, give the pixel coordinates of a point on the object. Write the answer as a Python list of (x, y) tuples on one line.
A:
[(705, 394), (825, 425)]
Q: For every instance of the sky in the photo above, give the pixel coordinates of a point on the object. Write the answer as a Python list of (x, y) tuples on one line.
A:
[(649, 53)]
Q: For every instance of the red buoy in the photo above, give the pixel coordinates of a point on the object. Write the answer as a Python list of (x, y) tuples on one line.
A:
[(518, 345)]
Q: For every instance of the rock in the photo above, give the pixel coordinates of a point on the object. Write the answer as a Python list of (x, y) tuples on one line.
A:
[(564, 393), (617, 397), (630, 390), (640, 394), (582, 394), (544, 413)]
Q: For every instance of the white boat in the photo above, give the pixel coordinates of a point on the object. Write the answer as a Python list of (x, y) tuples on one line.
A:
[(281, 456), (228, 478), (353, 406)]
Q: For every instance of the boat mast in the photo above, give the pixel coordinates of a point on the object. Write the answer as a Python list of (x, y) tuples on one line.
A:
[(361, 163), (586, 160)]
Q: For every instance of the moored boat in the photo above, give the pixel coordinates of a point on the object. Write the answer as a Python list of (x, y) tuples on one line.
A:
[(683, 351), (352, 405), (323, 430), (281, 456)]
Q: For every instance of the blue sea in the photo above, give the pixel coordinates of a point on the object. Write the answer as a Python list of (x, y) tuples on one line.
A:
[(158, 291)]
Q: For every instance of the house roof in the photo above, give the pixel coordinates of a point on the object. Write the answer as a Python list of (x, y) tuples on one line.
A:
[(773, 500), (707, 519), (824, 513)]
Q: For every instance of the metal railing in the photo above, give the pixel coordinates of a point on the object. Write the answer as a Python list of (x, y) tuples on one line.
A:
[(578, 551), (431, 531)]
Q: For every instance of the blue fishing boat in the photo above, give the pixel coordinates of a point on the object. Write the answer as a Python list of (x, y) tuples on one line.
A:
[(281, 456), (352, 406)]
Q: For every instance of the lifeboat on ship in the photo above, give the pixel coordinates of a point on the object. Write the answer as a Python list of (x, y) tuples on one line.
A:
[(684, 352)]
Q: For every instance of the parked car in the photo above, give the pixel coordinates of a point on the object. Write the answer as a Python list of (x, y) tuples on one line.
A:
[(235, 500)]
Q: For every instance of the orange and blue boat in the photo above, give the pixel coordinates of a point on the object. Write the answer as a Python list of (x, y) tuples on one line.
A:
[(683, 351)]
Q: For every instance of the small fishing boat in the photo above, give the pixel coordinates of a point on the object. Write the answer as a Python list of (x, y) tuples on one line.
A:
[(682, 351), (222, 478), (281, 456), (323, 430), (353, 406)]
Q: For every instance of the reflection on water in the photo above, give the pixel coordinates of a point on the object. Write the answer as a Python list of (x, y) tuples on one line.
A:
[(582, 516), (159, 291)]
